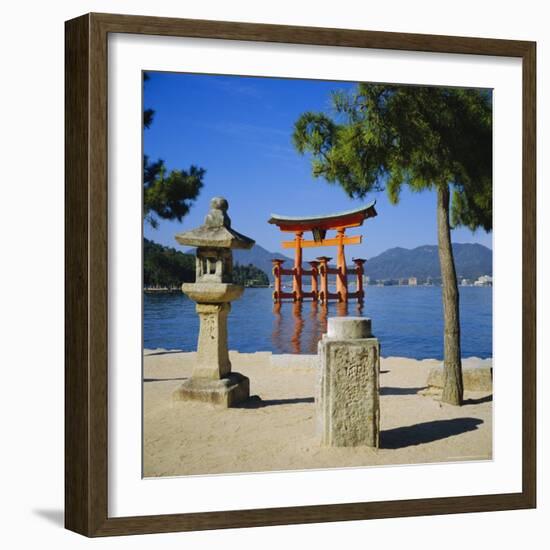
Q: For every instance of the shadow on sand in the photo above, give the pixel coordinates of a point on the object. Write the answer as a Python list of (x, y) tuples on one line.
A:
[(163, 379), (479, 400), (426, 432), (256, 402), (165, 352), (400, 391)]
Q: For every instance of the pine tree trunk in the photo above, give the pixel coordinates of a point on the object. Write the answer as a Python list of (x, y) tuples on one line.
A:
[(452, 370)]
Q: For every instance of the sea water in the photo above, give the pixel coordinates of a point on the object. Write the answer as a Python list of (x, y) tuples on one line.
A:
[(407, 320)]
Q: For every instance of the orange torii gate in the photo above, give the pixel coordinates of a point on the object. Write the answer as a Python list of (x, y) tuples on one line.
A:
[(319, 225)]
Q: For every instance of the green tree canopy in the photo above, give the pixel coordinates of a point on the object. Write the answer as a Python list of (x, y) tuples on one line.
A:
[(386, 136), (166, 267), (249, 275), (168, 194)]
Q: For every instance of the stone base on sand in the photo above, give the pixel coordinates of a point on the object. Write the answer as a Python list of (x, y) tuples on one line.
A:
[(225, 392), (477, 375)]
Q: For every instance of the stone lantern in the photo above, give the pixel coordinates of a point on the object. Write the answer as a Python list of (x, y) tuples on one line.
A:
[(213, 291)]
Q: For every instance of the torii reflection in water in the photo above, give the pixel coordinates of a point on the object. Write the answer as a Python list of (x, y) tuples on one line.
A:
[(292, 333)]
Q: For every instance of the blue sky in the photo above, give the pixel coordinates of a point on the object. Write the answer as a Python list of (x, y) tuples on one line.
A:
[(239, 129)]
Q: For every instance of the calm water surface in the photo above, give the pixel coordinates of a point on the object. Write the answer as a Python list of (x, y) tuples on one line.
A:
[(407, 320)]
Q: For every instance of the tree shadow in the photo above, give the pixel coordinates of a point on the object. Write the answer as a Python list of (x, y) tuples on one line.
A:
[(426, 432), (57, 517), (256, 402), (164, 379), (400, 391), (479, 400), (166, 352), (384, 371)]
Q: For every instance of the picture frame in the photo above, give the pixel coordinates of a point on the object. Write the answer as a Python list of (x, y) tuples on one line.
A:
[(87, 280)]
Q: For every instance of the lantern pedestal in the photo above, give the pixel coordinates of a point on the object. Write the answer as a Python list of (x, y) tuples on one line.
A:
[(225, 392), (212, 380)]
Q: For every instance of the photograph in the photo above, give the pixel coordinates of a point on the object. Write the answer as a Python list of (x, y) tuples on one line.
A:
[(317, 274)]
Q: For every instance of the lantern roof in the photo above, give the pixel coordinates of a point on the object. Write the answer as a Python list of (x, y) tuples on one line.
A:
[(216, 232)]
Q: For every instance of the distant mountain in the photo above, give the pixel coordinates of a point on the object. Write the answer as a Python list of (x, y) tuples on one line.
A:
[(471, 260), (259, 257)]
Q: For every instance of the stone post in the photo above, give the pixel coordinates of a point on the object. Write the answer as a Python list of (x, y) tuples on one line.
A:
[(348, 408)]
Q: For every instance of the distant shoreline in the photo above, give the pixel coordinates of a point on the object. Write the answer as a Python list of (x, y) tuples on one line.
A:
[(178, 289)]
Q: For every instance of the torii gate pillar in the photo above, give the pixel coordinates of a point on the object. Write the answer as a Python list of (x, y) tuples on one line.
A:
[(342, 276), (297, 278)]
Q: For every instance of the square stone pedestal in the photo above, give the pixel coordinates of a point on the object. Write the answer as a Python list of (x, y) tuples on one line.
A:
[(348, 410), (224, 392)]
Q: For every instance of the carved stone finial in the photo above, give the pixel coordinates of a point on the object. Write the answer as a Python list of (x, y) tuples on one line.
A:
[(216, 231), (217, 216)]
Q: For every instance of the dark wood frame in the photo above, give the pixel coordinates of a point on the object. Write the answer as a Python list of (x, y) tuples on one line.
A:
[(86, 274)]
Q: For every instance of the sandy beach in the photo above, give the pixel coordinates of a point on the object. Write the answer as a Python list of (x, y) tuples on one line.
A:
[(275, 429)]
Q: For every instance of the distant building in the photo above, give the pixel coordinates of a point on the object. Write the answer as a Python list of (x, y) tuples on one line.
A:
[(366, 280), (388, 282), (484, 280), (465, 282), (413, 281)]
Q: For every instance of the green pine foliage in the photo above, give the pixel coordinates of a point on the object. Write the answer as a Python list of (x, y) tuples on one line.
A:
[(384, 136), (168, 194)]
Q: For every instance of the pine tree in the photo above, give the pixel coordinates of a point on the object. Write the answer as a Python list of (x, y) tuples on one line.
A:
[(428, 138)]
